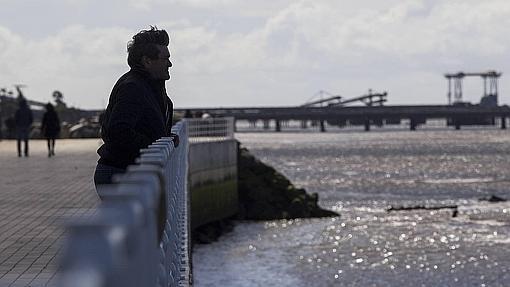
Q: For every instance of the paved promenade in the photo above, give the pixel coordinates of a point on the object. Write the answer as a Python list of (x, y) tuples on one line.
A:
[(37, 195)]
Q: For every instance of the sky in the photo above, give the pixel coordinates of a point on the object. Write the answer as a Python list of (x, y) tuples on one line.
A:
[(230, 53)]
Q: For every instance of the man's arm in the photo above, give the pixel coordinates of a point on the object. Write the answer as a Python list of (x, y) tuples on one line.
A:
[(44, 122), (30, 116), (175, 139), (169, 120)]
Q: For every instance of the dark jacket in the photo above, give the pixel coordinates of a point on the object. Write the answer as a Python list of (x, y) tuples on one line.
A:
[(23, 117), (138, 113), (50, 124)]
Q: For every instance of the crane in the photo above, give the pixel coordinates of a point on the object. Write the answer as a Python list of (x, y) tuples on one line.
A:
[(336, 100), (491, 75)]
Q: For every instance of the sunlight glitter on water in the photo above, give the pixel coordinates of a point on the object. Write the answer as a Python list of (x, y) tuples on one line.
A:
[(360, 176)]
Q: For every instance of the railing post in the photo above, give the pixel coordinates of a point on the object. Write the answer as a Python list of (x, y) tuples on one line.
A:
[(412, 125), (266, 124), (367, 124)]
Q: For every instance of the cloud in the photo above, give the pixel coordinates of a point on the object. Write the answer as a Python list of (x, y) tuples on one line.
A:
[(243, 8), (410, 27), (411, 40), (406, 30), (76, 61), (238, 53), (148, 4)]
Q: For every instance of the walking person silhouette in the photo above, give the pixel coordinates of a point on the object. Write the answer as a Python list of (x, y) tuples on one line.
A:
[(50, 128), (23, 119)]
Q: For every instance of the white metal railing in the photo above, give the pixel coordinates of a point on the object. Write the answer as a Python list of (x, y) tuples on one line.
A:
[(210, 129), (140, 233)]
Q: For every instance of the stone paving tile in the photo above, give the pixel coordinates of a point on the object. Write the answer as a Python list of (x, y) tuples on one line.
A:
[(37, 195)]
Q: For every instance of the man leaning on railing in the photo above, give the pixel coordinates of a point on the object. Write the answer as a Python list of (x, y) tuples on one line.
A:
[(139, 111)]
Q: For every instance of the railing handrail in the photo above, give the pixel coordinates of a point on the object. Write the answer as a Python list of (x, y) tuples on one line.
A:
[(139, 235), (210, 129)]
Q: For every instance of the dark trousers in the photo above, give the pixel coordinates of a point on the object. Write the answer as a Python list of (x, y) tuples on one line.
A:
[(22, 135), (104, 173), (51, 145)]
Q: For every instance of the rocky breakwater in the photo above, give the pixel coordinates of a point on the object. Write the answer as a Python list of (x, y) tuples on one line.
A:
[(266, 194)]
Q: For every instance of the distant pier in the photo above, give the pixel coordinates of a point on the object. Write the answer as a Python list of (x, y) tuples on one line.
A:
[(367, 116)]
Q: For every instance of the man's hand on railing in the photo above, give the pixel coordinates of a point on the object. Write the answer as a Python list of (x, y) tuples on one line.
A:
[(175, 139)]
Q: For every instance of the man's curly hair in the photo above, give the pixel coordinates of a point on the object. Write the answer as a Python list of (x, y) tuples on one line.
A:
[(144, 44)]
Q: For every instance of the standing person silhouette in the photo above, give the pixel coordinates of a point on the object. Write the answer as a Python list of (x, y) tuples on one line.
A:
[(50, 128), (23, 119), (139, 111)]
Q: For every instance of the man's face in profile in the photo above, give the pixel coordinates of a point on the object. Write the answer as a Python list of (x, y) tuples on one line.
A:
[(159, 68)]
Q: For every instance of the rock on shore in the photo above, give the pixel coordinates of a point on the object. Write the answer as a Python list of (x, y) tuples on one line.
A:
[(266, 194)]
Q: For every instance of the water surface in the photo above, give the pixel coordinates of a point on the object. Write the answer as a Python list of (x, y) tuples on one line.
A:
[(361, 175)]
